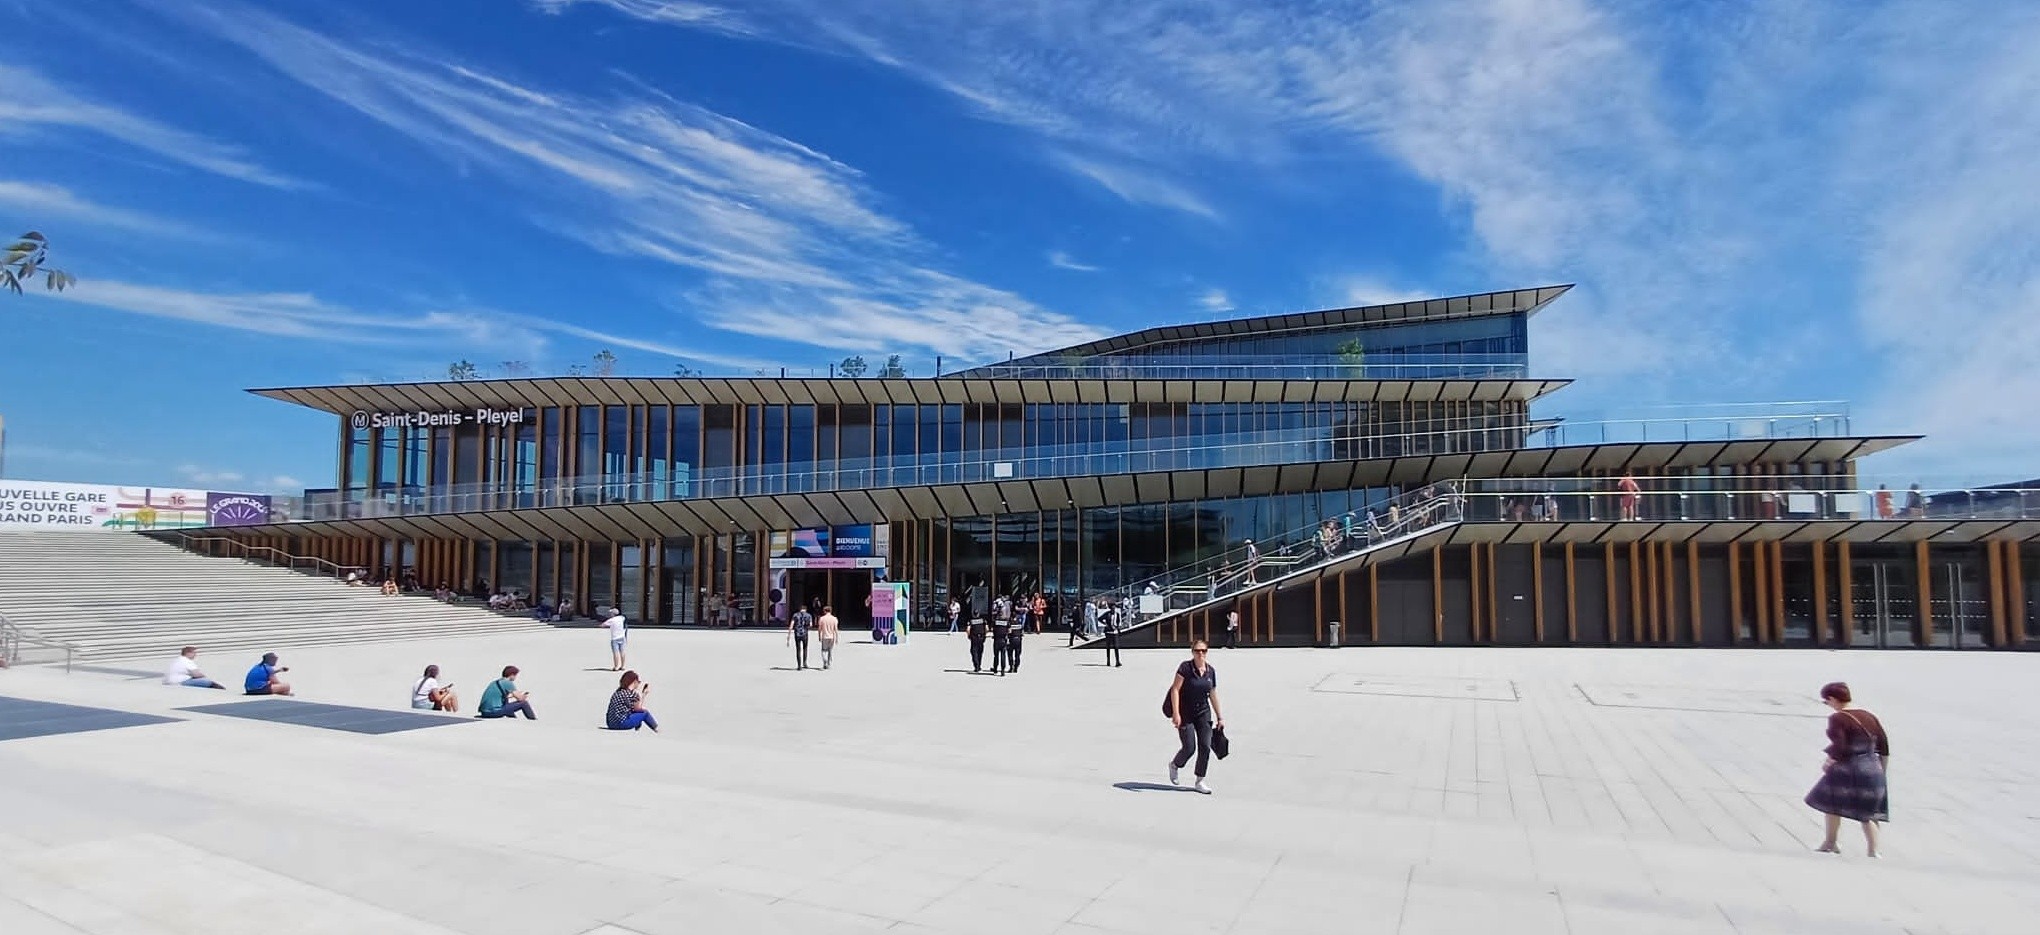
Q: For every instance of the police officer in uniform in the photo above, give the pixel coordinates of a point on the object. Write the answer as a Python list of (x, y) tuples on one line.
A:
[(977, 630), (1002, 632), (1013, 636)]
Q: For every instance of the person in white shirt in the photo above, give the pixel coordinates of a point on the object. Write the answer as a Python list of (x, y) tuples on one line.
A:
[(184, 671), (428, 695), (616, 637)]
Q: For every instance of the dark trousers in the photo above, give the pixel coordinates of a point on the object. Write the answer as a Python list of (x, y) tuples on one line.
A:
[(1001, 639), (800, 651), (1232, 638), (1195, 735), (512, 710), (977, 651), (1013, 651), (1112, 648)]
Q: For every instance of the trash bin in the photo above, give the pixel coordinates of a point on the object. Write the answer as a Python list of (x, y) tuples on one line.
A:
[(1332, 639)]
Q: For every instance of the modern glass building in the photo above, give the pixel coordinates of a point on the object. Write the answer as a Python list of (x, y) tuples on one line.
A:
[(1143, 464)]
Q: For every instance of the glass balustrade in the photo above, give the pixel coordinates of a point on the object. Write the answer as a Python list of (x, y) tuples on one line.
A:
[(1246, 449)]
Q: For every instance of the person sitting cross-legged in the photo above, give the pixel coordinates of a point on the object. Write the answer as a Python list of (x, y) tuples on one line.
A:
[(262, 679), (184, 671), (627, 705), (503, 699)]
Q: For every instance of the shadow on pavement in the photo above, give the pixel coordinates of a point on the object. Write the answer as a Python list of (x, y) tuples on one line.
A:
[(1150, 787)]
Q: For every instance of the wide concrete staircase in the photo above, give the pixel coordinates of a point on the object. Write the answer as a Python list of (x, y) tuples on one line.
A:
[(127, 596)]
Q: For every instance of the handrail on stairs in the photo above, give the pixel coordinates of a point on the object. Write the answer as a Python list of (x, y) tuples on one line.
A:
[(247, 553), (13, 637)]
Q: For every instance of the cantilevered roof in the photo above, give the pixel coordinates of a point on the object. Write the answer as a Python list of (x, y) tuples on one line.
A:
[(1478, 305), (619, 391), (715, 515)]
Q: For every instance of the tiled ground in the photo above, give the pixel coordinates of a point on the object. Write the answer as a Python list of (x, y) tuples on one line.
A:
[(1406, 790)]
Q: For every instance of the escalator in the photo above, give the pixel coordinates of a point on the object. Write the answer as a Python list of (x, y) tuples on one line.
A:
[(1387, 529)]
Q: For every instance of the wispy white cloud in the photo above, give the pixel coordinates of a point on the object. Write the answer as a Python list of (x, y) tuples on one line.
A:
[(772, 230), (35, 102), (1356, 291), (48, 202), (1062, 260), (193, 474), (1139, 185), (676, 12), (1216, 300), (303, 315)]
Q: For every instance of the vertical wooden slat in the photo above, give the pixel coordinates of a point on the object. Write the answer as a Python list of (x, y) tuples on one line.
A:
[(1473, 602), (1345, 622), (1614, 609), (1537, 587), (1572, 599), (1374, 602), (1923, 613), (1650, 572), (1670, 566), (1996, 573), (1494, 614), (1638, 619), (1693, 585), (1760, 595), (1820, 612), (1437, 594), (1777, 592), (1317, 600), (2016, 583), (1846, 596)]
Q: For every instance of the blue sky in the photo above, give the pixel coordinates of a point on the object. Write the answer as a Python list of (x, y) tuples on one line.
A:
[(1759, 201)]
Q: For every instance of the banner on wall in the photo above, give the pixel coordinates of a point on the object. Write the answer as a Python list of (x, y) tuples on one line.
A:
[(831, 547), (55, 505)]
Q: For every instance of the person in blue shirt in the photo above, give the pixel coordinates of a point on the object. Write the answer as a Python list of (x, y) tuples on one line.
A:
[(502, 699), (262, 679)]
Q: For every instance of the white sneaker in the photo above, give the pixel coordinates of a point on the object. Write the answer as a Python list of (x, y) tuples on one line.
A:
[(1172, 775), (1201, 787)]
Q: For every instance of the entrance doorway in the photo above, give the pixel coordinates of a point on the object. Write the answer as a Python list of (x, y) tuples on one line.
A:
[(1882, 602), (1959, 604)]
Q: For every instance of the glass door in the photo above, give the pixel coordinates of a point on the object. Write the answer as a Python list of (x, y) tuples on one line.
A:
[(1959, 606), (1881, 597)]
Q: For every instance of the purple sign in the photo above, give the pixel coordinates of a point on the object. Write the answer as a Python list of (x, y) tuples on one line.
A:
[(236, 509)]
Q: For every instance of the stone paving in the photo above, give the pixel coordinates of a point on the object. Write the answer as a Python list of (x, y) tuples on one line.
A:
[(1417, 790)]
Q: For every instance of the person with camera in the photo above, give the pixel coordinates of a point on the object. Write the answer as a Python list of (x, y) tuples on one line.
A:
[(627, 705)]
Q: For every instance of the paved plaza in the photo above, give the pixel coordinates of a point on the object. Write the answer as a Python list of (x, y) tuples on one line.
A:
[(1418, 790)]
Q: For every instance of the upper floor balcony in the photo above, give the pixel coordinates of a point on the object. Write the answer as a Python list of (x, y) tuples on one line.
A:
[(1202, 452), (1372, 366)]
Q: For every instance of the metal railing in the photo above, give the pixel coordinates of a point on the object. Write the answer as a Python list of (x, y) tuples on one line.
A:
[(1294, 446), (1256, 562), (16, 640), (1784, 499), (1383, 366), (220, 547)]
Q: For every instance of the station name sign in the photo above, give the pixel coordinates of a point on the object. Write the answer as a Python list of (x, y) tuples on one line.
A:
[(436, 418)]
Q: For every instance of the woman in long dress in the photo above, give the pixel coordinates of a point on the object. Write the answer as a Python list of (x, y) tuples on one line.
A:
[(1852, 781)]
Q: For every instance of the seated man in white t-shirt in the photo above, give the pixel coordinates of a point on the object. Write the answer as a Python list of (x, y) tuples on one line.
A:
[(184, 671)]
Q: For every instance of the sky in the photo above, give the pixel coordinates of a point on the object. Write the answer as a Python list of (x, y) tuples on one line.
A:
[(1758, 201)]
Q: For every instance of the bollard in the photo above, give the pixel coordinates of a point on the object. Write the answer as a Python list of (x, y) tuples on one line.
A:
[(1332, 642)]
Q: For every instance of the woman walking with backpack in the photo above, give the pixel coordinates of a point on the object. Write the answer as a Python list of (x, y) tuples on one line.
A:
[(1192, 707)]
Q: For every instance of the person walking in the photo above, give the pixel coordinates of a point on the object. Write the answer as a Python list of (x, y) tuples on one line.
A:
[(614, 623), (1090, 621), (1013, 648), (502, 699), (1851, 783), (1040, 610), (955, 612), (1253, 561), (1194, 712), (796, 636), (627, 705), (1108, 620), (977, 630), (825, 633), (1002, 627), (1232, 628)]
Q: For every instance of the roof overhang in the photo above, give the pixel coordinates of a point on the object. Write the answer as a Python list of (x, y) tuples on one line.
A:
[(658, 391), (1476, 305), (715, 515)]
